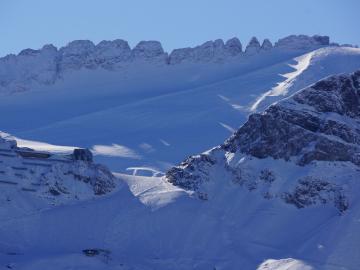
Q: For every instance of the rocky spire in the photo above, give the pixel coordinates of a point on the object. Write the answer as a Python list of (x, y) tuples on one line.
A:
[(266, 45), (233, 46), (302, 42), (148, 49), (253, 46)]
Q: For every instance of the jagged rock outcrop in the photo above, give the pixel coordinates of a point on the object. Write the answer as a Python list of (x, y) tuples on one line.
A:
[(18, 72), (82, 154), (76, 55), (108, 54), (233, 46), (253, 47), (52, 176), (317, 127), (301, 42), (311, 191), (209, 51), (36, 67), (147, 50), (266, 45), (318, 123)]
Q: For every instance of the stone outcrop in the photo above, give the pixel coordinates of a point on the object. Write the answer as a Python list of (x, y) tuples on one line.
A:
[(37, 67), (46, 174), (317, 125)]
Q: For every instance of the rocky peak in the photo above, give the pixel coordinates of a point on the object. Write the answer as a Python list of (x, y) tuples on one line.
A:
[(253, 47), (266, 45), (77, 47), (233, 46), (210, 51), (109, 53), (321, 122), (302, 42), (49, 48), (148, 50), (76, 54)]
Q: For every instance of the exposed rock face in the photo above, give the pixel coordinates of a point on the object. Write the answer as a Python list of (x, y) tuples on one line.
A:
[(302, 42), (209, 51), (233, 46), (266, 45), (110, 53), (146, 50), (316, 125), (253, 47), (76, 54), (310, 191), (82, 154), (45, 174), (32, 67), (18, 72)]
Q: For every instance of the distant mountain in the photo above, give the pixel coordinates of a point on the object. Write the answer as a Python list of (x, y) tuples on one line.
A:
[(19, 72)]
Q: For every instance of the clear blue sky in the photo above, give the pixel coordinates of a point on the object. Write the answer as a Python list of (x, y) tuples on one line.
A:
[(176, 23)]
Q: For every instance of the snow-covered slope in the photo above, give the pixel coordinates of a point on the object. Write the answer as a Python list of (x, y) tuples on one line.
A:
[(295, 208), (152, 113)]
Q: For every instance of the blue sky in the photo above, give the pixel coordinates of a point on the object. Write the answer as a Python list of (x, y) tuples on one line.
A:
[(180, 23)]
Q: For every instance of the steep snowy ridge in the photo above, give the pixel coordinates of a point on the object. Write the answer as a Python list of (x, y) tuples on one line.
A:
[(313, 131), (50, 178), (20, 72)]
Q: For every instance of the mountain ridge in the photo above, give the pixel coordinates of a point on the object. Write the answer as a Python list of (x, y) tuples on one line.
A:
[(46, 65)]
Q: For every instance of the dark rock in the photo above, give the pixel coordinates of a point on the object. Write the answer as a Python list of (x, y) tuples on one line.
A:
[(253, 46), (82, 154), (286, 130), (310, 191), (233, 46)]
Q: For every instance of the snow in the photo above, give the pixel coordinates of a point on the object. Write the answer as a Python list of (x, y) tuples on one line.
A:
[(154, 192), (155, 225), (284, 264), (115, 150), (282, 88)]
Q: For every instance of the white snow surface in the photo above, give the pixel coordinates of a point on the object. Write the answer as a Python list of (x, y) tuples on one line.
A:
[(284, 264)]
